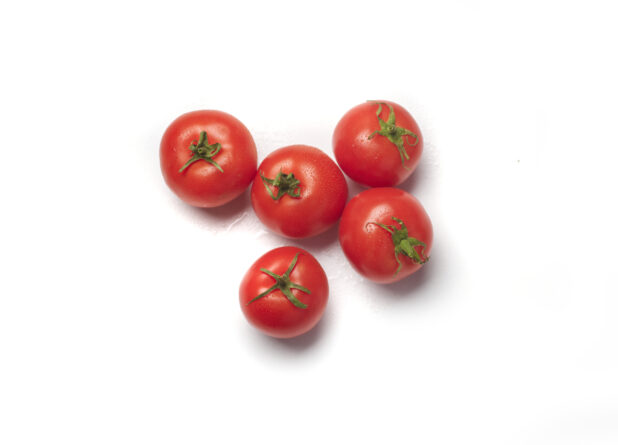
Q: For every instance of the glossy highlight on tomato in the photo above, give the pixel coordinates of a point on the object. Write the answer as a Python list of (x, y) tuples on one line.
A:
[(207, 157), (386, 234), (378, 144), (298, 191), (284, 293)]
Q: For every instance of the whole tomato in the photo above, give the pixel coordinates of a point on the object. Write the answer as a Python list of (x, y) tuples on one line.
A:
[(386, 234), (298, 191), (378, 144), (208, 157), (284, 293)]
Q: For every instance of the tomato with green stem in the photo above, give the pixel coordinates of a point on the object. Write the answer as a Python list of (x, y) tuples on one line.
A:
[(208, 158), (284, 293), (378, 144), (298, 191), (386, 234)]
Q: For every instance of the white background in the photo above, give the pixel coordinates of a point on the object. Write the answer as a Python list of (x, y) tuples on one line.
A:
[(119, 314)]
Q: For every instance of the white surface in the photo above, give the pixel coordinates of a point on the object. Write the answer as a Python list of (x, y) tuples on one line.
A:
[(119, 320)]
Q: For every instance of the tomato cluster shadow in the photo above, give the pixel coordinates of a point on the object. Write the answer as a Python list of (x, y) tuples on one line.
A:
[(318, 243), (410, 286), (228, 211), (410, 184), (302, 342)]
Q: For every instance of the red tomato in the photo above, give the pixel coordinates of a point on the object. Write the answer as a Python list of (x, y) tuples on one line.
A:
[(378, 144), (284, 293), (298, 191), (207, 157), (386, 234)]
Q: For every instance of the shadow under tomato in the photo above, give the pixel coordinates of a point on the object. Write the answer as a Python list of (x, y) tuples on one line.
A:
[(227, 212), (409, 185), (412, 183), (354, 188), (409, 287), (318, 243), (303, 342)]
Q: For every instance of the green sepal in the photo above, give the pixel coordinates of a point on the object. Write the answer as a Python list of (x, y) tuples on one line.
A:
[(393, 133), (202, 150), (285, 285), (404, 244), (286, 184)]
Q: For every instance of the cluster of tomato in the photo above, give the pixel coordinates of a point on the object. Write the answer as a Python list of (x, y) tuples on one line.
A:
[(208, 158)]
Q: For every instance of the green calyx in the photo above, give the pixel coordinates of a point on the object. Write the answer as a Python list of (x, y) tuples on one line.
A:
[(204, 151), (286, 184), (394, 133), (285, 285), (404, 244)]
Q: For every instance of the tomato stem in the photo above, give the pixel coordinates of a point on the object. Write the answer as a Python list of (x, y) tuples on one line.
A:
[(394, 133), (286, 184), (285, 285), (404, 244), (204, 151)]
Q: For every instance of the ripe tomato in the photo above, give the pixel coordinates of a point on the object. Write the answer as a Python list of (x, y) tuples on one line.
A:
[(207, 157), (284, 293), (386, 234), (298, 191), (378, 144)]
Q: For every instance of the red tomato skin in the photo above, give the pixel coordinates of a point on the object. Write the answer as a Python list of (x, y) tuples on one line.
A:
[(374, 162), (201, 184), (274, 314), (323, 192), (368, 247)]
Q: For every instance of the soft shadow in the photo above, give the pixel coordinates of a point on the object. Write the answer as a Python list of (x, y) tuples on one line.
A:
[(354, 188), (319, 242), (409, 287), (230, 211), (415, 178), (303, 342)]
